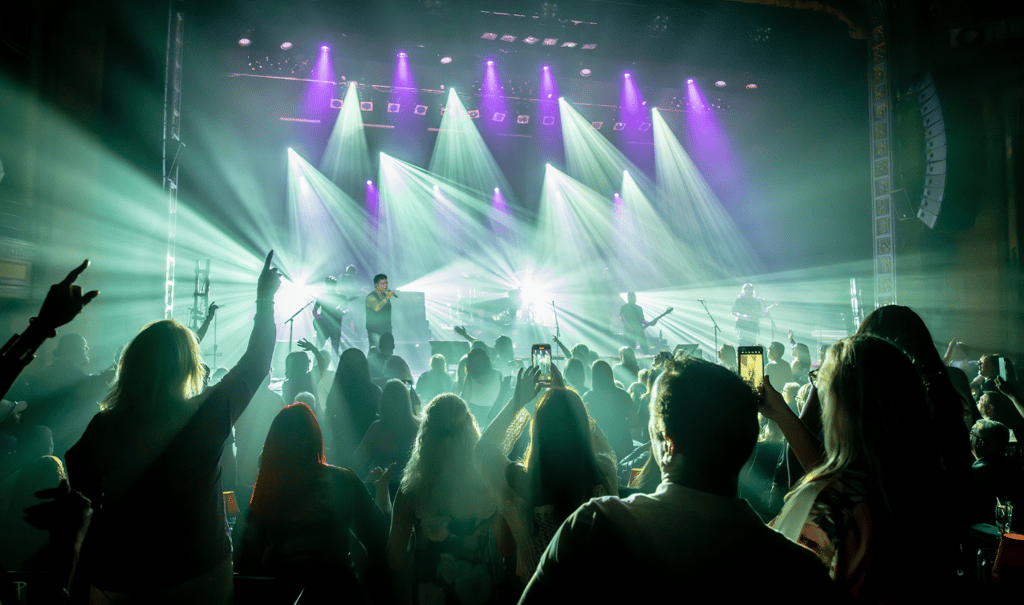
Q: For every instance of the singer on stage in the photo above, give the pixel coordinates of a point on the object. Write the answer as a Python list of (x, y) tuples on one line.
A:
[(378, 309)]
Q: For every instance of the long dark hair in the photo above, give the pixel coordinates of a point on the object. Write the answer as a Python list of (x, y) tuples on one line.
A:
[(293, 457), (560, 462)]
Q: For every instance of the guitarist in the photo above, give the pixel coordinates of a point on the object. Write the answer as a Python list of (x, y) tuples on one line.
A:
[(633, 324), (328, 316), (748, 310)]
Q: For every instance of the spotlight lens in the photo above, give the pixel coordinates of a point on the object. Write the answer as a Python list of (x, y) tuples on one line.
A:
[(446, 60), (496, 190), (546, 68), (402, 55), (244, 41), (585, 72), (490, 62), (689, 80), (751, 86), (286, 45), (720, 83), (369, 182), (324, 48), (627, 75)]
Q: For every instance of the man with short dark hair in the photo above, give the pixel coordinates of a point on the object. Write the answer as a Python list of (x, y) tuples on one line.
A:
[(693, 534), (378, 310)]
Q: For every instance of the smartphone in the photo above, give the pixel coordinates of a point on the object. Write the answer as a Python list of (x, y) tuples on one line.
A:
[(540, 356), (1002, 368), (750, 361)]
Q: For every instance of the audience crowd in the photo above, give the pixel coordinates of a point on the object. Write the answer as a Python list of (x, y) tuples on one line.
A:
[(872, 475)]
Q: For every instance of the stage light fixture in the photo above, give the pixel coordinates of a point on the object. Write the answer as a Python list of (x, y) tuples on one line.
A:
[(626, 75), (550, 41), (568, 45), (751, 86), (585, 72), (336, 103), (369, 183), (286, 45), (403, 55), (689, 80), (489, 36), (490, 63), (324, 48), (420, 110), (645, 127), (531, 40), (244, 41), (720, 83), (548, 120), (474, 113), (523, 119), (597, 125), (619, 126), (394, 107), (446, 60), (589, 46), (366, 105), (508, 38), (498, 117)]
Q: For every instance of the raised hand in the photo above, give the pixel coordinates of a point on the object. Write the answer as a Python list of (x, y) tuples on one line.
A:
[(306, 345), (269, 280), (527, 386), (65, 300), (211, 309)]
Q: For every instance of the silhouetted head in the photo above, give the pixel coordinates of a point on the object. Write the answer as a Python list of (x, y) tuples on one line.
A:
[(73, 349), (705, 415), (602, 377), (387, 344), (296, 364), (162, 364), (631, 298), (438, 363), (478, 364)]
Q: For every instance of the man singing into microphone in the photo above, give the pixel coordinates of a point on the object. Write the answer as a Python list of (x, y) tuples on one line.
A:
[(378, 310)]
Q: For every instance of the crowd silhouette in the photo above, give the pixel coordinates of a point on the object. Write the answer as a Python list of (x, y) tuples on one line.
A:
[(880, 473)]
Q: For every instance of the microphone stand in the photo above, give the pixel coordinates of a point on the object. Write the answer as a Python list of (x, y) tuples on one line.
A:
[(713, 322), (291, 323), (558, 333)]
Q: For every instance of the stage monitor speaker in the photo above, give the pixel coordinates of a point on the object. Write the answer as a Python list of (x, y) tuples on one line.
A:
[(453, 350)]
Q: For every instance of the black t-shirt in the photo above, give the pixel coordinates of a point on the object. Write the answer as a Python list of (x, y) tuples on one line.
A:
[(377, 321)]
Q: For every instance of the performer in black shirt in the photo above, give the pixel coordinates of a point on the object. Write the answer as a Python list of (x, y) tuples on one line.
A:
[(378, 310)]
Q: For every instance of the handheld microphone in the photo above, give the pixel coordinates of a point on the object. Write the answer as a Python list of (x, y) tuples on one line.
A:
[(394, 294), (700, 300)]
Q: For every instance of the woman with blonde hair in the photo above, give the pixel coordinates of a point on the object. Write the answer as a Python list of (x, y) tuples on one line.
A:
[(445, 500), (152, 457), (871, 490)]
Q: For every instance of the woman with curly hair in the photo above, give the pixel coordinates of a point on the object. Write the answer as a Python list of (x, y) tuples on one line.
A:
[(444, 499)]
